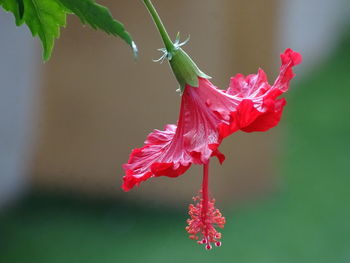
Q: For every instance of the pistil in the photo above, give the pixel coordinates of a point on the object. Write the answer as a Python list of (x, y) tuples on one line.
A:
[(204, 217)]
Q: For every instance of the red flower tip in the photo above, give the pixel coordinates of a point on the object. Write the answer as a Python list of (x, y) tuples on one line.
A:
[(290, 55), (204, 217)]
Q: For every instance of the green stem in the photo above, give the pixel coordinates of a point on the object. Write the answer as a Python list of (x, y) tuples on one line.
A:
[(163, 33)]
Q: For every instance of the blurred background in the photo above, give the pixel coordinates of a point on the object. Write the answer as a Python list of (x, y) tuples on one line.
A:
[(68, 125)]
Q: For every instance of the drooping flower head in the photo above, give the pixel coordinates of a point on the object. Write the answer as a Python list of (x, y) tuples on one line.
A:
[(207, 116)]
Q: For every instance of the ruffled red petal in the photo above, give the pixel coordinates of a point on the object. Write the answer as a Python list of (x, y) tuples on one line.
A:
[(161, 156), (250, 103), (267, 109), (129, 180), (269, 119), (171, 152)]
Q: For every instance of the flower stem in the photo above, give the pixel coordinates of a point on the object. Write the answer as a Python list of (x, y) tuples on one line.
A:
[(163, 33)]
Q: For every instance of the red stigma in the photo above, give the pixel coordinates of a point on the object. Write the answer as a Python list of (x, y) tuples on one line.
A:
[(204, 217)]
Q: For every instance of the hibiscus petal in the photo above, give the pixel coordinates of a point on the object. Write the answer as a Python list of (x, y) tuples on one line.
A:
[(269, 113), (250, 103), (171, 152), (159, 157)]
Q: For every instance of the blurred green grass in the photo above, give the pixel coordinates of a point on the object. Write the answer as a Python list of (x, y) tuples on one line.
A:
[(306, 221)]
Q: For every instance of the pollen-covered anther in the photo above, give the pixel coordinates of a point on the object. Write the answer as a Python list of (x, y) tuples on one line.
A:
[(203, 221)]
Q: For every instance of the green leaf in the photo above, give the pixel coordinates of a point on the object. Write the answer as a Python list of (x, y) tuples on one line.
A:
[(14, 7), (43, 17), (20, 8), (98, 17)]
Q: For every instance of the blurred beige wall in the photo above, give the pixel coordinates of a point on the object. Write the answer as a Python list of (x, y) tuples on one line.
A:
[(98, 103)]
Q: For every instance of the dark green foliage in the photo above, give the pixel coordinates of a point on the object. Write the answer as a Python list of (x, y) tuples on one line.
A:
[(20, 8), (98, 17), (45, 17)]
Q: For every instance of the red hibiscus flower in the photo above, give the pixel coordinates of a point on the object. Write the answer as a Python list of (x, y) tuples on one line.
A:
[(207, 116)]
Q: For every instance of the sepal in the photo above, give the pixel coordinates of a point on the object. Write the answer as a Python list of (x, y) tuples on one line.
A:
[(185, 70)]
